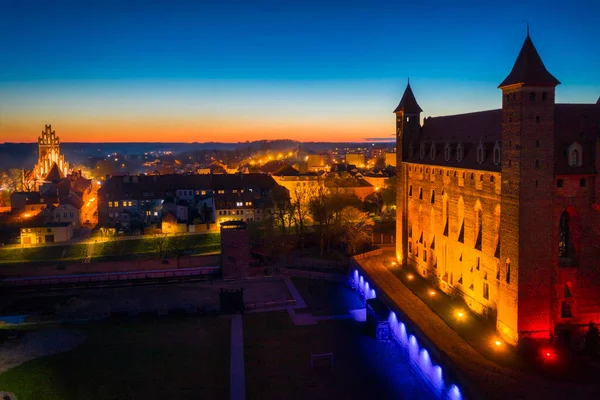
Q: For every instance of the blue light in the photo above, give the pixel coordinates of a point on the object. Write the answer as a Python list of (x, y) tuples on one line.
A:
[(455, 393)]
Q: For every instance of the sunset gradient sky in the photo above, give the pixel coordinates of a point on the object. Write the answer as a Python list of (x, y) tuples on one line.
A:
[(269, 69)]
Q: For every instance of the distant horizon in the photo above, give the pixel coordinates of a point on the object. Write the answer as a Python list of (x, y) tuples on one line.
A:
[(229, 71)]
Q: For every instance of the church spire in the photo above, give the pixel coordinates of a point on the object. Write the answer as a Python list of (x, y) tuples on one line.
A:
[(408, 103), (529, 69)]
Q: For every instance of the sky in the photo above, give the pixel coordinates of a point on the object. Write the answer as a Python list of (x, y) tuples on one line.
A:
[(231, 71)]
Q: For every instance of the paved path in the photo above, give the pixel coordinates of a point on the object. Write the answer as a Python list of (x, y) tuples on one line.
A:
[(237, 375), (489, 380)]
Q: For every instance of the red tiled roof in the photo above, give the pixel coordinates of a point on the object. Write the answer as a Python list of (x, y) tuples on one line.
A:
[(529, 69), (72, 200), (408, 103)]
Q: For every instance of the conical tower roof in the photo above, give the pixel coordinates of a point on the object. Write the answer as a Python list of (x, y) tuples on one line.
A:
[(408, 104), (529, 69)]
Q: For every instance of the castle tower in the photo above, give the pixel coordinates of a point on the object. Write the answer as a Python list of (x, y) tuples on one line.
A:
[(408, 127), (527, 252), (235, 250)]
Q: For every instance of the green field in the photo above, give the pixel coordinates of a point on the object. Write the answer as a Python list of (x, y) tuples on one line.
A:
[(121, 248), (164, 358)]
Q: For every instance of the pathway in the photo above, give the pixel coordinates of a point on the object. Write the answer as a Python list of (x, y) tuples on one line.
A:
[(494, 381), (237, 375)]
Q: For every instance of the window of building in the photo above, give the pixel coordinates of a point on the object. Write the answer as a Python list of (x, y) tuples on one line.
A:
[(65, 215), (447, 152), (574, 153), (537, 143), (410, 247), (410, 150), (480, 153), (424, 254), (566, 248), (486, 291), (544, 96), (582, 182), (432, 152), (432, 196), (110, 203), (49, 230), (422, 151), (565, 310), (532, 96), (420, 193), (459, 152), (559, 183), (239, 204), (507, 271), (478, 229), (70, 215)]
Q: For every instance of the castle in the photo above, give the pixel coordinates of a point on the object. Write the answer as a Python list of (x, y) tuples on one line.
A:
[(51, 165), (502, 206)]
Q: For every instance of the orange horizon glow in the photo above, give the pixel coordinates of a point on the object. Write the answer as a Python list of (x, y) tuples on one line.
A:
[(216, 130)]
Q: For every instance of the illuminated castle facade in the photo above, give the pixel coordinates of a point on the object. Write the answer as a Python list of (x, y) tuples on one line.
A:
[(51, 165), (502, 206)]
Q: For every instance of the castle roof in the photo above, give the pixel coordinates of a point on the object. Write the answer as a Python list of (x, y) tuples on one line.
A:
[(529, 69), (573, 123), (55, 174), (408, 103)]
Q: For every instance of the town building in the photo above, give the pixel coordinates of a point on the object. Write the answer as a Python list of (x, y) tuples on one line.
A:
[(133, 202), (51, 232), (502, 206)]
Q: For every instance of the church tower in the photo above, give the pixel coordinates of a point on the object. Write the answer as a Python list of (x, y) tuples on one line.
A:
[(527, 253), (408, 128)]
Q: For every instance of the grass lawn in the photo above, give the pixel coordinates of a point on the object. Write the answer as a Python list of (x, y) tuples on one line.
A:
[(327, 298), (166, 358), (197, 244), (123, 249), (29, 254)]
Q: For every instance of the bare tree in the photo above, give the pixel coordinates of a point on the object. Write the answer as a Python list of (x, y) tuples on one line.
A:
[(159, 243), (357, 227)]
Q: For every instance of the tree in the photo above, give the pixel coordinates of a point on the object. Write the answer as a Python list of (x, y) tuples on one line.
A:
[(281, 211), (159, 243), (177, 243), (357, 227)]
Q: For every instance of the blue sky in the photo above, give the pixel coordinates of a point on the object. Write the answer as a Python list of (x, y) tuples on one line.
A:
[(203, 70)]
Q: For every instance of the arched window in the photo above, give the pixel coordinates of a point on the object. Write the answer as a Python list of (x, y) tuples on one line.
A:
[(575, 157), (478, 225), (410, 150), (563, 235), (432, 151), (422, 151), (447, 152), (459, 152), (461, 220), (568, 237), (480, 153), (574, 153), (497, 231), (497, 153), (445, 213)]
